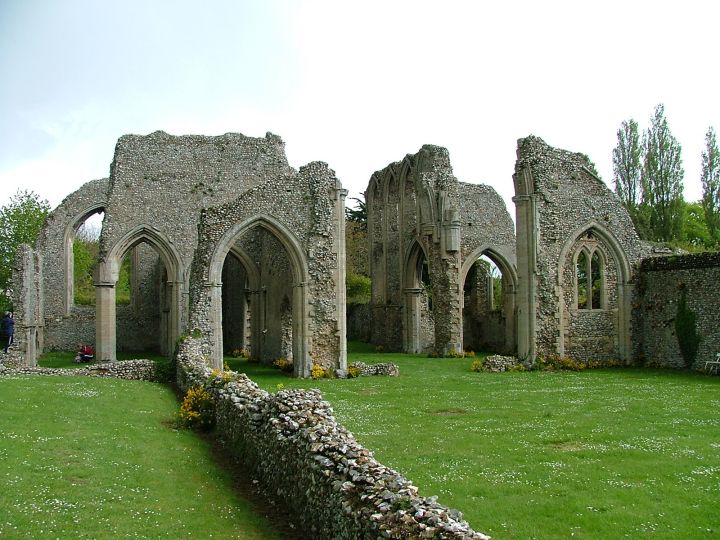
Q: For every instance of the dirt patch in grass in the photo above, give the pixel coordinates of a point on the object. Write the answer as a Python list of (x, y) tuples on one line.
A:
[(566, 446), (450, 411), (368, 392)]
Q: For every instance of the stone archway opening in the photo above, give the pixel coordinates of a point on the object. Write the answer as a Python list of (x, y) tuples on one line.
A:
[(150, 320), (489, 305), (236, 303), (261, 298), (418, 291), (142, 297)]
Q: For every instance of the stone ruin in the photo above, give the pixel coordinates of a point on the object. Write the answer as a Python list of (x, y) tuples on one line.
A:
[(231, 244), (576, 280), (227, 241), (232, 248)]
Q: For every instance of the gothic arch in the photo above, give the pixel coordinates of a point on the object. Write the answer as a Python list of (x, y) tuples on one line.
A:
[(412, 293), (106, 278), (510, 282), (609, 242), (68, 254), (299, 269)]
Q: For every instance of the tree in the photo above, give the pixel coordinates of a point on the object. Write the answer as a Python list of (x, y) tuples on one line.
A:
[(20, 223), (710, 176), (627, 167), (359, 214), (662, 181), (696, 236)]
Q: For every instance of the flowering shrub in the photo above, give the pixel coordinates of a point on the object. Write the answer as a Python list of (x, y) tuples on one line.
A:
[(283, 364), (353, 372), (476, 366), (318, 372), (452, 353), (557, 362), (225, 376), (196, 411)]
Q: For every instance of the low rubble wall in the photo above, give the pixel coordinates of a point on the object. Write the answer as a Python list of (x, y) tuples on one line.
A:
[(133, 370), (293, 444)]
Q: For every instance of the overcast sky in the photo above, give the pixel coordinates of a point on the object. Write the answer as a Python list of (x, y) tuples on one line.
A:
[(355, 84)]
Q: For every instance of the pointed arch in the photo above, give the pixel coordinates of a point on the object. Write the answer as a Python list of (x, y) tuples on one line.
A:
[(413, 290), (68, 253), (108, 270), (614, 248), (509, 292), (299, 269)]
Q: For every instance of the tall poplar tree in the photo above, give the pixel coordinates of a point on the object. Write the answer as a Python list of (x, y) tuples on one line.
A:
[(710, 176), (662, 180), (627, 168)]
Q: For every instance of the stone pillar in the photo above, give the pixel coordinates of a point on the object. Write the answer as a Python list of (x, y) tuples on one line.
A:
[(340, 288), (526, 267), (215, 325), (105, 332), (412, 320), (301, 359)]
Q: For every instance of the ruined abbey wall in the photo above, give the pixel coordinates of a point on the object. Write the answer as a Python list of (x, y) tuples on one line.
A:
[(563, 208), (673, 289), (423, 227), (298, 217), (153, 204)]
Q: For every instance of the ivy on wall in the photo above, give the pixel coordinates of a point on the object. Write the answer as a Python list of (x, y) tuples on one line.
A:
[(686, 329)]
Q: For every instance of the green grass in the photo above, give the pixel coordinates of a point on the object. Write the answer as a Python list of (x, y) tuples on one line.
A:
[(595, 454), (84, 457)]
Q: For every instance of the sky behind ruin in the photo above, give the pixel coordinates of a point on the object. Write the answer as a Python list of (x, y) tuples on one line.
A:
[(355, 85)]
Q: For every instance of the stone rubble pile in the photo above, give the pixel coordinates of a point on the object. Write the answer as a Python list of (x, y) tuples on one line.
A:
[(498, 363), (133, 370), (302, 456), (387, 368)]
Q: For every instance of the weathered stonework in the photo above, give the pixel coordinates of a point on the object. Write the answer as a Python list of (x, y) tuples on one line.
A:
[(132, 370), (426, 229), (282, 229), (333, 486), (562, 208), (663, 281)]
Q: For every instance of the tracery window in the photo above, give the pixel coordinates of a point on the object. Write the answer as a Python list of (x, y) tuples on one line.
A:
[(590, 278)]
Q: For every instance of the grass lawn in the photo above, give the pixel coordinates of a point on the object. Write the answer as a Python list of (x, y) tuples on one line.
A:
[(86, 457), (596, 454)]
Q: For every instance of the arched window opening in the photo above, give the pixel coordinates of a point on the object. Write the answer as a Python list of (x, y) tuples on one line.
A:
[(426, 284), (258, 315), (85, 250), (235, 307), (589, 283), (581, 281), (596, 271)]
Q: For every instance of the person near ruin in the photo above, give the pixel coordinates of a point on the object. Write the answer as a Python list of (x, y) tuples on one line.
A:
[(85, 354), (8, 329)]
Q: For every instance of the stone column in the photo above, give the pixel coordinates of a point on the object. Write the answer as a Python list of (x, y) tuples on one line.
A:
[(215, 325), (301, 359), (105, 332), (526, 268), (412, 320), (340, 290)]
